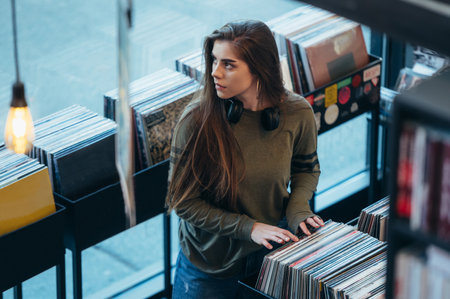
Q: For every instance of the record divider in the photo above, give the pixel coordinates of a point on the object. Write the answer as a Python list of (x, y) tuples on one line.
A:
[(367, 103), (100, 215), (32, 249)]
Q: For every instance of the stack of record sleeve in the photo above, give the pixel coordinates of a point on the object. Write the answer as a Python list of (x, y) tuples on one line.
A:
[(157, 101), (374, 219), (336, 261), (192, 65), (319, 45), (25, 191), (77, 145)]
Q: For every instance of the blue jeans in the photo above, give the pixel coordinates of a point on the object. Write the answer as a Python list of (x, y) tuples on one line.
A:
[(192, 283)]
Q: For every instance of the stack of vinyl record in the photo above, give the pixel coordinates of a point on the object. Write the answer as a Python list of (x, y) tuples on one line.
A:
[(157, 101), (374, 219), (14, 166), (77, 145), (191, 65), (320, 46), (334, 262), (25, 191)]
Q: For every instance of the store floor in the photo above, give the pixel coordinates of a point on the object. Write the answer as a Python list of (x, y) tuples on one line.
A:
[(68, 55)]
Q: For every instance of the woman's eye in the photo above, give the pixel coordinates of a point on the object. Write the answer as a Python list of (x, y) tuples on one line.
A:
[(227, 65)]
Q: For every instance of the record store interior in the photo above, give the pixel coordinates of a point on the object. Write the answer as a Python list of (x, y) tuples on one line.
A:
[(91, 95)]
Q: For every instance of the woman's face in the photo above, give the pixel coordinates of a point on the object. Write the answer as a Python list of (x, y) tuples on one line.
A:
[(231, 75)]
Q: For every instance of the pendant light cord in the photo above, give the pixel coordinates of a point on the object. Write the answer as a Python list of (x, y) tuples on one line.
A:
[(16, 58)]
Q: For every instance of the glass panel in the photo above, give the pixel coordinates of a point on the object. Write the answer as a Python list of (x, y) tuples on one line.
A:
[(342, 152)]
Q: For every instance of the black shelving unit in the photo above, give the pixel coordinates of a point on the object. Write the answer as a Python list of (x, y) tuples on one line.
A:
[(100, 215), (402, 230), (31, 250), (427, 104)]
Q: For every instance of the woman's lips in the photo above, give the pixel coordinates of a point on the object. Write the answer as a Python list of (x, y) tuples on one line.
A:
[(219, 87)]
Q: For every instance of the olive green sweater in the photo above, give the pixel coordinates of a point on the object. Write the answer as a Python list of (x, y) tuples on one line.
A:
[(215, 240)]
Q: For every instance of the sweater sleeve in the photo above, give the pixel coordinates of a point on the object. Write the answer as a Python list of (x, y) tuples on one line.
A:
[(305, 171), (196, 210)]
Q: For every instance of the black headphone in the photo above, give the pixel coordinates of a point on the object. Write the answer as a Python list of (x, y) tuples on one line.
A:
[(270, 117)]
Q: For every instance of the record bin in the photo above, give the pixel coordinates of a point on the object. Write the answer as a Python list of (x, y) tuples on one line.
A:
[(246, 289), (347, 97), (32, 249), (100, 215)]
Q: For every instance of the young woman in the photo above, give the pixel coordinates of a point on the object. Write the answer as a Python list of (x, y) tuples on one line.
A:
[(234, 152)]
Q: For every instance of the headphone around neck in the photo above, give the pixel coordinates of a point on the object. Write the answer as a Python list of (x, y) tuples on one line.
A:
[(270, 117)]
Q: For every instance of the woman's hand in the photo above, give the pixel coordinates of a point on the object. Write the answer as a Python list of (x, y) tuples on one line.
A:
[(314, 221), (263, 233)]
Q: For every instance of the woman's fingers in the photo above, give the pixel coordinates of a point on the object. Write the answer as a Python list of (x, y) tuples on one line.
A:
[(264, 233), (314, 221), (266, 244), (290, 235), (304, 228), (285, 235), (319, 220)]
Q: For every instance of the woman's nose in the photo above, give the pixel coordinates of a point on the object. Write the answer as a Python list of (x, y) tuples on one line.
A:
[(216, 72)]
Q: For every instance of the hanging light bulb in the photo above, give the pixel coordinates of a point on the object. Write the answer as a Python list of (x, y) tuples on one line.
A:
[(19, 130)]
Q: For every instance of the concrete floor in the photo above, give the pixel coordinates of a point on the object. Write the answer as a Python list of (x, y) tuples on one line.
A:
[(68, 55)]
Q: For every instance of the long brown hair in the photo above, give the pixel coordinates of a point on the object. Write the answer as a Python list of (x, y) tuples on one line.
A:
[(212, 163)]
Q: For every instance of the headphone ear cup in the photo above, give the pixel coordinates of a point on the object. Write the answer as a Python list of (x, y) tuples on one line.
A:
[(234, 110), (270, 118)]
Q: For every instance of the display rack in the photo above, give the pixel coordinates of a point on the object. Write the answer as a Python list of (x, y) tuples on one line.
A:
[(353, 95), (100, 215), (428, 104), (31, 250)]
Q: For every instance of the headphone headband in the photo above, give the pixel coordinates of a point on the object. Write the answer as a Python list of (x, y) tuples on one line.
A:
[(270, 117)]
